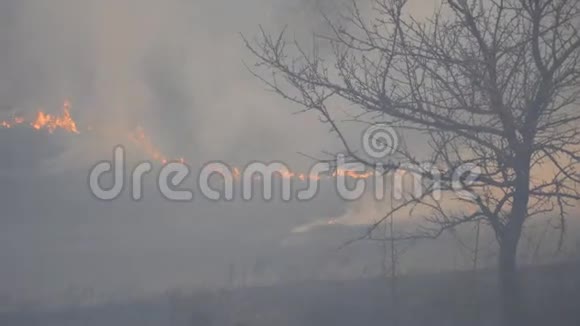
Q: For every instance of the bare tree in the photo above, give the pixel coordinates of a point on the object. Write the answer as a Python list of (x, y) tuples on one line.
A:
[(390, 268), (491, 83)]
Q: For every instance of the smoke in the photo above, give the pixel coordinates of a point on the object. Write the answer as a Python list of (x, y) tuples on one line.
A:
[(174, 68)]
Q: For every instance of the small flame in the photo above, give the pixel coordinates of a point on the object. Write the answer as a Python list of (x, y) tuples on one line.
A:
[(143, 141), (140, 138), (45, 121), (64, 121), (51, 123)]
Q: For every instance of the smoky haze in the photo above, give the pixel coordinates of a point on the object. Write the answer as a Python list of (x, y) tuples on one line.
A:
[(176, 69)]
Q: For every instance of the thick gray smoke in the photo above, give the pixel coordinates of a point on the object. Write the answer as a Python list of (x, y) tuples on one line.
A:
[(176, 69)]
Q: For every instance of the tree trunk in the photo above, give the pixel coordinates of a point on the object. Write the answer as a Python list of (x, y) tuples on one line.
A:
[(510, 300)]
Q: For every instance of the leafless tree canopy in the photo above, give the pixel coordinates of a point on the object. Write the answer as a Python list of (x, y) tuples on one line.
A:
[(493, 83)]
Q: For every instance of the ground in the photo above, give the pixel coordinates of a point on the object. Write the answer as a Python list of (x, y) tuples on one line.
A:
[(552, 297)]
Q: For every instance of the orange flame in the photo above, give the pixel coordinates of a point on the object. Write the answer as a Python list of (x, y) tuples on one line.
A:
[(51, 123), (143, 141), (11, 123), (45, 121), (64, 121), (140, 138)]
